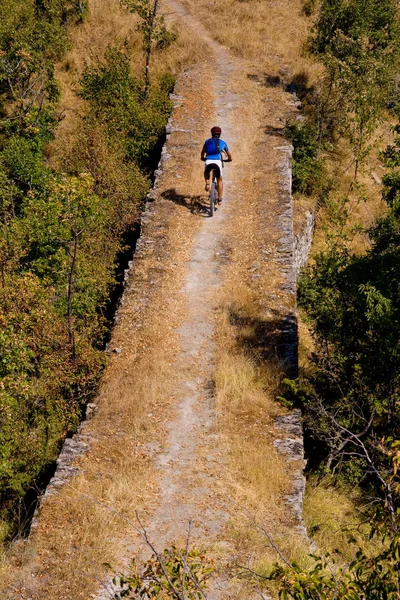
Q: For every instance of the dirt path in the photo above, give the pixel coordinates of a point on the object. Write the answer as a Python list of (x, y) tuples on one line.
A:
[(192, 485), (190, 462), (191, 489), (157, 445)]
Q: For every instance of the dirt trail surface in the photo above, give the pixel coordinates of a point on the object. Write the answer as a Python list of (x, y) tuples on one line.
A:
[(155, 445), (190, 462)]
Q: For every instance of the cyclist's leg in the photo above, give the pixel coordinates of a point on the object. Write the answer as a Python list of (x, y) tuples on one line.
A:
[(207, 172), (220, 185)]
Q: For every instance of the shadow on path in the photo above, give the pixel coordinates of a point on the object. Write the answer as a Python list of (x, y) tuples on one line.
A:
[(196, 204), (275, 338), (275, 131), (297, 83)]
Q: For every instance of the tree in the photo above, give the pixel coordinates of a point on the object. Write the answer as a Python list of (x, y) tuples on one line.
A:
[(32, 37), (153, 29), (358, 42), (350, 393), (373, 577), (134, 123)]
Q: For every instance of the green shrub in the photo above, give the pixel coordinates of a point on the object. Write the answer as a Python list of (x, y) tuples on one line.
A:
[(61, 233), (365, 578), (309, 7), (307, 167), (135, 119), (172, 573), (38, 399), (23, 160)]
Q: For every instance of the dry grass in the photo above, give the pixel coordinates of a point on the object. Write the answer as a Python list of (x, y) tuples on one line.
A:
[(246, 389), (363, 203), (306, 343), (333, 516), (245, 392), (80, 528), (108, 23), (263, 31)]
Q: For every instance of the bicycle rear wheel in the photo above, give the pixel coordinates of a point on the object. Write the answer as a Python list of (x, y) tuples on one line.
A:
[(213, 195)]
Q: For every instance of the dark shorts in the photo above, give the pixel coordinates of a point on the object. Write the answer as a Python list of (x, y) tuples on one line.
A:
[(213, 167)]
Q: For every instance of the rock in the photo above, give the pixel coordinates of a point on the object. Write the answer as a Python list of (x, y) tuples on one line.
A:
[(302, 242), (91, 410), (293, 447), (376, 178)]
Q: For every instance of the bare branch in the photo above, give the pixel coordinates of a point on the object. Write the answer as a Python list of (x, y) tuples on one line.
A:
[(143, 533), (355, 438), (269, 538), (185, 559), (250, 570), (140, 530)]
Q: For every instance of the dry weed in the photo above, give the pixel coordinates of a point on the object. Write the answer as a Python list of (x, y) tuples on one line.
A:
[(246, 408), (261, 31), (333, 516), (109, 22)]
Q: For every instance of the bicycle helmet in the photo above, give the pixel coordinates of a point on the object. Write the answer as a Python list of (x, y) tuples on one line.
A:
[(216, 131)]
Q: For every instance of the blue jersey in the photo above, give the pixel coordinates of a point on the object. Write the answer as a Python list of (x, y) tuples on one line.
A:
[(214, 147)]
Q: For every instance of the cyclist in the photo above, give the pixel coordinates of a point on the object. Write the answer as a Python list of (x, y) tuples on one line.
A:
[(212, 155)]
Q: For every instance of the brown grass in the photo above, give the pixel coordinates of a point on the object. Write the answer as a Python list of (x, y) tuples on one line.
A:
[(108, 23), (259, 476), (363, 203), (333, 516), (246, 390), (263, 31), (77, 532)]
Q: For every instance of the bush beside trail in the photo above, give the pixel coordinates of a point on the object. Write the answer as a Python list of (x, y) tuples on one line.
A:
[(61, 233), (348, 389)]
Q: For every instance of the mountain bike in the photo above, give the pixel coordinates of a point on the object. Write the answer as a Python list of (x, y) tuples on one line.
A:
[(213, 195)]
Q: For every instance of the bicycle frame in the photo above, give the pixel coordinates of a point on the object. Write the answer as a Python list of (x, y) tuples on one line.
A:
[(213, 195)]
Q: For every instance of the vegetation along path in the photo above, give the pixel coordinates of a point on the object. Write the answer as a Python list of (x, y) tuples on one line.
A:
[(185, 428)]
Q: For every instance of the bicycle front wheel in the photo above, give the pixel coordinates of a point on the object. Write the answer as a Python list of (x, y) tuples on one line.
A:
[(213, 196)]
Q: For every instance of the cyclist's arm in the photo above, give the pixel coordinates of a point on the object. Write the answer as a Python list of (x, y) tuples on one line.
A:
[(203, 153), (229, 154)]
